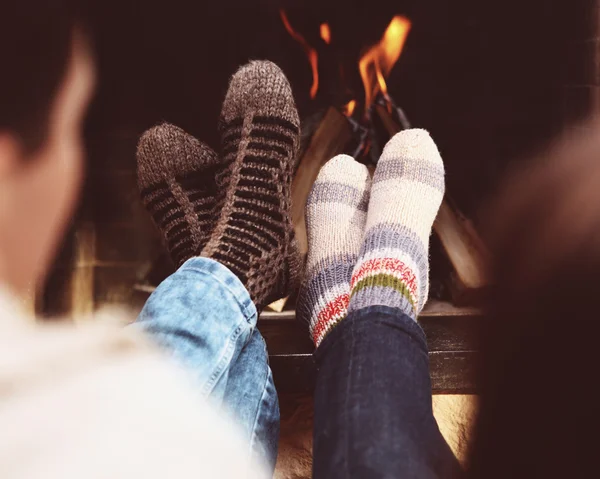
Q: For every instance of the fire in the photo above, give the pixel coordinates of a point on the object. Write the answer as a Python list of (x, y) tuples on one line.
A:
[(349, 108), (377, 63), (311, 53), (374, 66), (325, 33)]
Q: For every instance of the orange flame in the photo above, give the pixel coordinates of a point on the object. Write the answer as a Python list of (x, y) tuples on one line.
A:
[(311, 53), (349, 108), (325, 33), (377, 63)]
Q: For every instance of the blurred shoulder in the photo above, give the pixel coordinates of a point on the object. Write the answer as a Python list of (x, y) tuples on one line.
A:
[(98, 400)]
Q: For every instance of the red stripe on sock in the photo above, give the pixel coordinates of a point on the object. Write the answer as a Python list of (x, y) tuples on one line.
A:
[(332, 310), (390, 266)]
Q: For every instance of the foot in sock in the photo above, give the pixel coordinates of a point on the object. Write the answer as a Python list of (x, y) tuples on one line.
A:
[(254, 236), (336, 214), (176, 178), (408, 187)]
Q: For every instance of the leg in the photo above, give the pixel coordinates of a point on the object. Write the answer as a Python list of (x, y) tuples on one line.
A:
[(205, 314), (181, 316), (204, 318), (373, 415), (251, 396)]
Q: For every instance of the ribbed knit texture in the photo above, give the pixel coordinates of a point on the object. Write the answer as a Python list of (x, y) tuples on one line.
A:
[(176, 178), (260, 131), (336, 212), (408, 187)]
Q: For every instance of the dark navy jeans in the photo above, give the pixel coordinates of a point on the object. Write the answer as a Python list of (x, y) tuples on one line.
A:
[(373, 413)]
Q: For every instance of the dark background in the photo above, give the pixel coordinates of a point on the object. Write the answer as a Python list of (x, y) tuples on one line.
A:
[(484, 77), (488, 79)]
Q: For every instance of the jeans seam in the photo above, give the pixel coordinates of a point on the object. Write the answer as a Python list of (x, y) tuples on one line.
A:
[(247, 314), (253, 439), (347, 399), (222, 363)]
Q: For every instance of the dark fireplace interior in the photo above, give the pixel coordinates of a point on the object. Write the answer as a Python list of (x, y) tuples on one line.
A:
[(492, 81)]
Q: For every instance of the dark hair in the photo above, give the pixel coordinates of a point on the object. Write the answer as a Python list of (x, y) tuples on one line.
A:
[(35, 49), (539, 362)]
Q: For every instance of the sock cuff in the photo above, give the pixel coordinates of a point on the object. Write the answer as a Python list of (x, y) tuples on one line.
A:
[(326, 282), (377, 295), (329, 316), (386, 271)]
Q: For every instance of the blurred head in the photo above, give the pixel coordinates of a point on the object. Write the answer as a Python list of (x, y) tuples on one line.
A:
[(46, 83), (539, 356)]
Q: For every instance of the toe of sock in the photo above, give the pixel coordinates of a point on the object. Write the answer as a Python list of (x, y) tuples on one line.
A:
[(415, 143), (342, 180), (165, 150), (150, 152), (262, 88), (344, 169)]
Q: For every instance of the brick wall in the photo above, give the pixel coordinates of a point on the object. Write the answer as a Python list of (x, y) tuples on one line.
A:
[(113, 243)]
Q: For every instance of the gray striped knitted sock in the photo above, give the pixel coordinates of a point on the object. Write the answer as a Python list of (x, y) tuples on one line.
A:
[(260, 132), (336, 213), (408, 187), (176, 178)]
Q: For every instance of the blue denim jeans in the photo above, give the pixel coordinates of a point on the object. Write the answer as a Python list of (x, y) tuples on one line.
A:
[(373, 413), (203, 316)]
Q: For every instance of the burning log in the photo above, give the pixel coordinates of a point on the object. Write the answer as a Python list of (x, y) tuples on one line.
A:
[(459, 238)]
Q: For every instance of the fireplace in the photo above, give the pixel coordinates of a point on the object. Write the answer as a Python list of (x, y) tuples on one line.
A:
[(492, 81)]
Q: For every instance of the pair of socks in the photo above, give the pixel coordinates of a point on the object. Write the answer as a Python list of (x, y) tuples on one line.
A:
[(234, 207), (369, 239)]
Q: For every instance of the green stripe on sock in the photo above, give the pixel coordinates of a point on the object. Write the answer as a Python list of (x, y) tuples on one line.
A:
[(386, 281)]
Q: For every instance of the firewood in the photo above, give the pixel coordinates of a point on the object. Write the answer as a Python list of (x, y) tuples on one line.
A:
[(329, 139), (459, 238), (466, 252), (277, 306)]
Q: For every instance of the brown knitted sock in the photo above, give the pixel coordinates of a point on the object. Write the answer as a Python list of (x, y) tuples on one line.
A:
[(254, 236), (176, 178)]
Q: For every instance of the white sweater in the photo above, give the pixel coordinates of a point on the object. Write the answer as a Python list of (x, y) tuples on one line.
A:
[(99, 402)]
